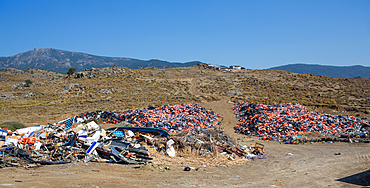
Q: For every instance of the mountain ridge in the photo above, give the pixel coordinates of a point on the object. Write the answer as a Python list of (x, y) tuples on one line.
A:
[(327, 70), (61, 60)]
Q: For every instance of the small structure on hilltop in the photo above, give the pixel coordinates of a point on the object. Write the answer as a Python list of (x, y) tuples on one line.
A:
[(237, 67), (210, 66), (217, 67)]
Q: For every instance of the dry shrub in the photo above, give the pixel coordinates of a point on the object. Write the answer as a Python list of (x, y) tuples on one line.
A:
[(190, 152)]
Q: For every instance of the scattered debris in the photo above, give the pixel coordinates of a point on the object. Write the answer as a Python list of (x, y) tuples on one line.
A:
[(105, 91), (81, 140)]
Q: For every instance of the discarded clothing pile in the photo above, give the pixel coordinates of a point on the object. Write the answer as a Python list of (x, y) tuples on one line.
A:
[(287, 119), (173, 118)]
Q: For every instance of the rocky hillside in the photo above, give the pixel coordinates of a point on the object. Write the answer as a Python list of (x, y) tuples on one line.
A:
[(102, 72), (118, 89), (10, 74), (60, 61), (332, 71)]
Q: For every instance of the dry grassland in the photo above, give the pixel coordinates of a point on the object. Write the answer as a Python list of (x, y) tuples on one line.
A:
[(154, 87), (309, 165)]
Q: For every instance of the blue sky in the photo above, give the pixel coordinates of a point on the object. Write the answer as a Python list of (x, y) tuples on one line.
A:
[(254, 34)]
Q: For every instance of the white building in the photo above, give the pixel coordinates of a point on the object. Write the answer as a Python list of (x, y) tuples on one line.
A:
[(235, 67)]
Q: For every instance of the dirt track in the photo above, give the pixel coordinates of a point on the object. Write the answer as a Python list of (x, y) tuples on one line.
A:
[(309, 165)]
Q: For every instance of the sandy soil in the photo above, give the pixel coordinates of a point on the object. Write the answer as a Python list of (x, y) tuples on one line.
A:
[(308, 165)]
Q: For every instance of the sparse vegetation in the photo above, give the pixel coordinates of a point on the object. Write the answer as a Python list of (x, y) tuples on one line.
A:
[(28, 83), (71, 71), (12, 126), (138, 88)]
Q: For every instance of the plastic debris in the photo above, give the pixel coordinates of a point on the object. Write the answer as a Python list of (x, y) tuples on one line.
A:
[(169, 148), (81, 139)]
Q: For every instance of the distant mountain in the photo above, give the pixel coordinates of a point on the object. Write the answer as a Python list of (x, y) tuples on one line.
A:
[(332, 71), (60, 61)]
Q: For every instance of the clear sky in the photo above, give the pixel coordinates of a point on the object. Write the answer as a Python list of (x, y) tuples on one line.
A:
[(251, 33)]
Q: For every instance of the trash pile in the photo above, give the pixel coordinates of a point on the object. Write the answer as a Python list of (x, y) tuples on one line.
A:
[(62, 143), (208, 141), (287, 121), (173, 118), (81, 139)]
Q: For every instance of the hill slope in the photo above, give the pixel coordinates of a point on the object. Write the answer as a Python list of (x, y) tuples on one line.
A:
[(60, 61), (10, 74), (332, 71)]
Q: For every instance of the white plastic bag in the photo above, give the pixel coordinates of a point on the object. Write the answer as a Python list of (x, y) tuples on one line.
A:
[(169, 149)]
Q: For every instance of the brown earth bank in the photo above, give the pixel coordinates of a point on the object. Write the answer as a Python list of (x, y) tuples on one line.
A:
[(310, 165), (303, 165), (45, 100)]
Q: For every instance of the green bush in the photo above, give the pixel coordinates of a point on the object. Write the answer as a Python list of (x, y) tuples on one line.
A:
[(28, 82), (12, 126), (71, 71)]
